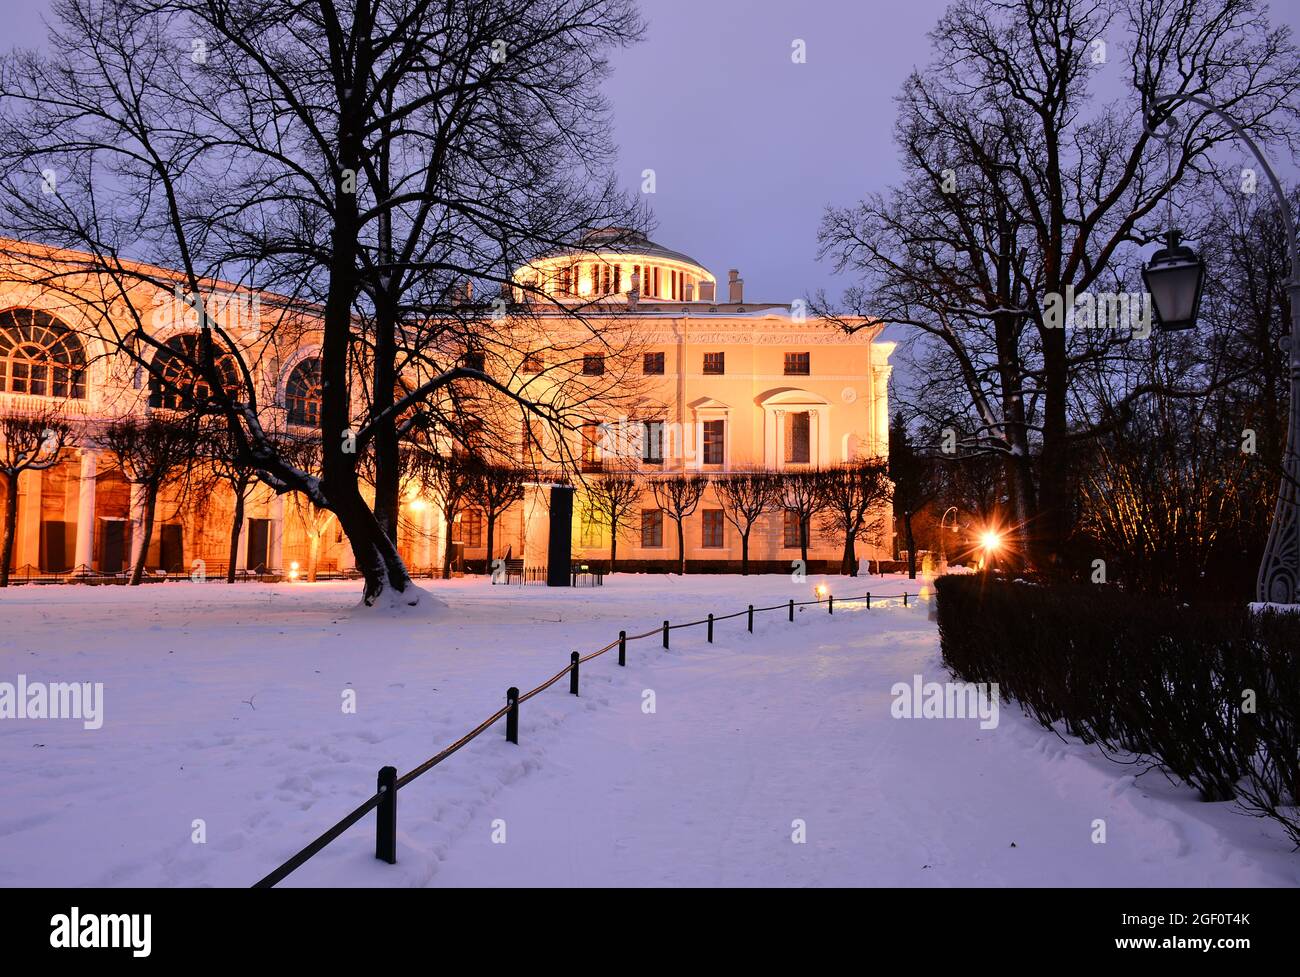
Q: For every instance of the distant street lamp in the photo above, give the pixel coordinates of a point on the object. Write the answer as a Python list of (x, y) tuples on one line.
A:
[(1174, 278), (990, 543), (943, 546)]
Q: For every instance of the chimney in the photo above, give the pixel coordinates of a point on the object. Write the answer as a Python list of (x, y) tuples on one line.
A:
[(690, 293), (706, 291), (735, 287), (462, 293)]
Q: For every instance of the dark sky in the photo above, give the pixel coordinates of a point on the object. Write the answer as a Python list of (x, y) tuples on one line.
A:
[(747, 146)]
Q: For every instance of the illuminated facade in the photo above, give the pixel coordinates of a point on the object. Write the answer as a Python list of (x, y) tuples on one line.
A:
[(728, 385)]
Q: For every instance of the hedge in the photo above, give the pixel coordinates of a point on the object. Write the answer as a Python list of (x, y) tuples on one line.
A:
[(1209, 692)]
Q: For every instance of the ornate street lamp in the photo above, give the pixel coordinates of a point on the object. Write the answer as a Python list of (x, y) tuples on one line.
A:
[(1279, 571), (1174, 277)]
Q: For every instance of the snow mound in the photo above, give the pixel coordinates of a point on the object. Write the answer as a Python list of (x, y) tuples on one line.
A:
[(413, 602)]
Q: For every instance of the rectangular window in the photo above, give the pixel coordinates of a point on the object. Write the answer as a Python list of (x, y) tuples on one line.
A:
[(652, 528), (471, 528), (711, 522), (713, 442), (591, 454), (472, 361), (593, 364), (591, 534), (530, 440), (566, 281), (653, 363), (618, 279), (790, 535), (656, 289), (798, 430), (797, 364), (534, 363), (652, 442), (714, 364)]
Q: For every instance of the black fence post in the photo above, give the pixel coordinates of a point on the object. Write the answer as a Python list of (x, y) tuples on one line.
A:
[(751, 618), (868, 600), (904, 598), (573, 673), (830, 604), (665, 635), (622, 648), (512, 715), (386, 816), (791, 608), (710, 629)]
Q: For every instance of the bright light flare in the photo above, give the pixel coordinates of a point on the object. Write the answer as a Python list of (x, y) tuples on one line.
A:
[(822, 591), (991, 540)]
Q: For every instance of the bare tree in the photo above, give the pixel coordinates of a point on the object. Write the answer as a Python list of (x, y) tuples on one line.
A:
[(151, 453), (915, 483), (233, 468), (28, 442), (1025, 188), (368, 162), (494, 489), (678, 495), (449, 478), (610, 498), (854, 494), (745, 496), (801, 493)]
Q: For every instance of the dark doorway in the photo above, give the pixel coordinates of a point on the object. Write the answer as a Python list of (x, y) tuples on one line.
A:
[(259, 536), (171, 550), (56, 542), (112, 545)]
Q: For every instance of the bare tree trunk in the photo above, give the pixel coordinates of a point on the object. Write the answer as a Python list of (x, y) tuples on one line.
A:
[(911, 545), (849, 563), (313, 556), (613, 543), (744, 553), (491, 539), (803, 541), (11, 527), (146, 534), (681, 547), (236, 526), (446, 546), (375, 554)]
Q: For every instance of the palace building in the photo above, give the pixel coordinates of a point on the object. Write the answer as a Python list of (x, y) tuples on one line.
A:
[(724, 384)]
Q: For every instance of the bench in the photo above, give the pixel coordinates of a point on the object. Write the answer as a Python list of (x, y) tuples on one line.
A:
[(515, 568), (594, 572)]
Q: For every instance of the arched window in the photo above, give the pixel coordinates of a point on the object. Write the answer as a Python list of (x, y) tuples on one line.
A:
[(177, 383), (302, 393), (41, 356)]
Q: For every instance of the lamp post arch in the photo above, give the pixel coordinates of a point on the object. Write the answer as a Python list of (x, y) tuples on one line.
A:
[(1278, 581)]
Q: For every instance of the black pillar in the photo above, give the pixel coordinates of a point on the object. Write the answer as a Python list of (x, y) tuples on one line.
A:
[(559, 552)]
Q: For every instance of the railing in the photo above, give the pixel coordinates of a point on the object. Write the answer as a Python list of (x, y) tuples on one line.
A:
[(388, 783)]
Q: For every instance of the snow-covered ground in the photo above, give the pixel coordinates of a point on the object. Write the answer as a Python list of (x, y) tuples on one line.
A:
[(225, 705)]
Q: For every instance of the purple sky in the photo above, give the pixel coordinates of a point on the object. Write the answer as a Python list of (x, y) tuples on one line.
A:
[(747, 147)]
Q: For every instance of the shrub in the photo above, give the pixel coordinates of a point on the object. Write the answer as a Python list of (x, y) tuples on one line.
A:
[(1167, 681)]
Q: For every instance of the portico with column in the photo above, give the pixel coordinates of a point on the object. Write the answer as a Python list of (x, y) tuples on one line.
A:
[(84, 549)]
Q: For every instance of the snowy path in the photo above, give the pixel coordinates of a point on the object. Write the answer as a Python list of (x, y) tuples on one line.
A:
[(705, 791), (223, 706)]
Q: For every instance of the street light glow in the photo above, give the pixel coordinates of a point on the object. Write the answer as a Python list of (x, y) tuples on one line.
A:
[(991, 539)]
